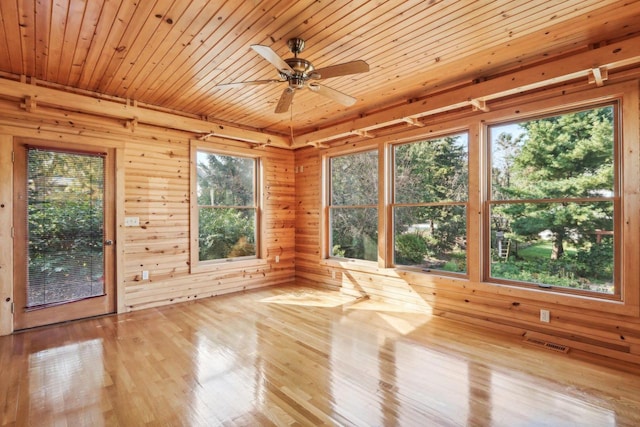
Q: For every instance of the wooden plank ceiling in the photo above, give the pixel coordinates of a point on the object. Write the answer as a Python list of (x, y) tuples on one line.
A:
[(173, 53)]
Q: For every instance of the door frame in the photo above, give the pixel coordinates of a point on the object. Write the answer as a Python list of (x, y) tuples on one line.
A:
[(23, 318)]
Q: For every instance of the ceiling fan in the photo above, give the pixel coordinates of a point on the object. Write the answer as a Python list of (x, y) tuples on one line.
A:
[(298, 72)]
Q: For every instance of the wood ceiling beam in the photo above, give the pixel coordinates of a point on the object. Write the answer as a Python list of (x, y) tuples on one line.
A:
[(605, 59), (133, 115)]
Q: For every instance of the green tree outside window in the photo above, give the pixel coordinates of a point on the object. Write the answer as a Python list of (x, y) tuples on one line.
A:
[(430, 182), (553, 200), (227, 211)]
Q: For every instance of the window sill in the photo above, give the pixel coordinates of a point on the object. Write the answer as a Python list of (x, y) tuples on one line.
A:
[(432, 272), (348, 262)]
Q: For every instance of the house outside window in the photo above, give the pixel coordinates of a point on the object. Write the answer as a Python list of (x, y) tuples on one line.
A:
[(227, 204), (553, 202)]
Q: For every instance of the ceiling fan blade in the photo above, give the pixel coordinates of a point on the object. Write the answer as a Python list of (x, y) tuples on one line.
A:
[(285, 100), (345, 69), (254, 82), (336, 95), (267, 53)]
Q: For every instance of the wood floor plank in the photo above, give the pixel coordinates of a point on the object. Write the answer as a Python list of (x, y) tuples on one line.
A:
[(300, 356)]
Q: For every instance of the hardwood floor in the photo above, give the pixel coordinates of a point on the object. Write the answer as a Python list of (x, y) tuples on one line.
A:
[(299, 356)]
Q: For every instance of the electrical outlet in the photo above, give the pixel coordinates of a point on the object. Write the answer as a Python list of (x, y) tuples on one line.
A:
[(545, 316), (131, 221), (277, 259), (145, 275)]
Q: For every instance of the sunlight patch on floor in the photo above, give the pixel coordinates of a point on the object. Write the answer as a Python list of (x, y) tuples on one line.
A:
[(312, 298), (401, 319), (374, 305), (404, 326)]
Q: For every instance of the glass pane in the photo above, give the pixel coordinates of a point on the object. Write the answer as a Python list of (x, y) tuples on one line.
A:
[(431, 237), (226, 233), (554, 244), (354, 233), (65, 227), (225, 180), (435, 170), (564, 156), (354, 179)]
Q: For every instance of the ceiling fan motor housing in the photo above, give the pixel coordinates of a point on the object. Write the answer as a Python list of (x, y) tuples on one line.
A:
[(302, 70)]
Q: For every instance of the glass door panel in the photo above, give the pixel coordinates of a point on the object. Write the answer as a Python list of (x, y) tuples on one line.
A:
[(65, 227), (63, 222)]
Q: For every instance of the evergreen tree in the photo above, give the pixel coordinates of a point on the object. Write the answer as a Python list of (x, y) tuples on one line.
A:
[(226, 182), (354, 182), (432, 171), (563, 157)]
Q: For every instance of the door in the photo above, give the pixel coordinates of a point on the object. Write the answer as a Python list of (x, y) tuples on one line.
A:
[(63, 233)]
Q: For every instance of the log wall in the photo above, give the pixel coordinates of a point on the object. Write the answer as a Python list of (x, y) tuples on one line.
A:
[(153, 183)]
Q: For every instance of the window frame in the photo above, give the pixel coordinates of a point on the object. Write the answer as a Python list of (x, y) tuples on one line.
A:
[(615, 199), (197, 265), (536, 104), (628, 274), (392, 204), (328, 204)]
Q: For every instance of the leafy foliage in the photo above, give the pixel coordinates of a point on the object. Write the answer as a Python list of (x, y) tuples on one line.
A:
[(354, 212), (596, 260), (65, 221), (227, 215), (568, 159), (226, 233), (411, 248), (431, 172)]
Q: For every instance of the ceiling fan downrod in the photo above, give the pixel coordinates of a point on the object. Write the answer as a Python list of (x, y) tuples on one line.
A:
[(302, 69), (296, 45)]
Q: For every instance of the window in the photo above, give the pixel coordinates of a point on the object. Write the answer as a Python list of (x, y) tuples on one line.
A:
[(227, 206), (430, 193), (553, 201), (353, 206), (539, 206)]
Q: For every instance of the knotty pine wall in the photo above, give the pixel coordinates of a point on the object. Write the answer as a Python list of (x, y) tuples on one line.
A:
[(602, 330), (152, 183)]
